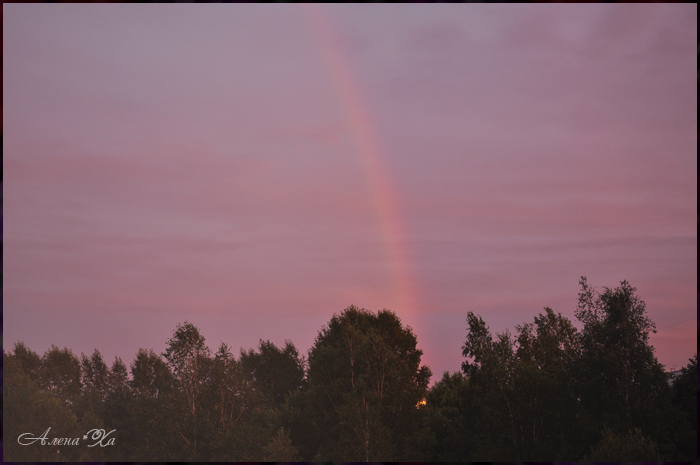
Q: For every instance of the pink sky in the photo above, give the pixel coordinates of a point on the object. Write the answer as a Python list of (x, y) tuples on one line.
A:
[(254, 169)]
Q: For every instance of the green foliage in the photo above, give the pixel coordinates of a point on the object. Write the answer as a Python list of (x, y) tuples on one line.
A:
[(299, 416), (184, 354), (478, 345), (95, 375), (545, 394), (685, 403), (152, 387), (117, 412), (491, 368), (280, 449), (546, 352), (274, 372), (446, 409), (548, 392), (188, 358), (237, 428), (632, 447), (685, 389), (550, 344), (618, 378), (151, 377), (60, 373), (28, 409), (365, 380), (29, 361)]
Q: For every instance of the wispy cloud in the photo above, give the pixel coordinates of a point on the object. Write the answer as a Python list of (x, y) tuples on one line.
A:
[(187, 162)]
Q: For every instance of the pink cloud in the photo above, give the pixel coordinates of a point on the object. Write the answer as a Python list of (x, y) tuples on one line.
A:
[(191, 164)]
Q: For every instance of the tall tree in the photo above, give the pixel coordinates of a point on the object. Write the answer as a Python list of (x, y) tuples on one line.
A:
[(152, 387), (188, 358), (29, 409), (552, 389), (150, 375), (447, 415), (685, 402), (620, 381), (90, 406), (546, 352), (236, 412), (29, 361), (95, 374), (365, 380), (118, 410), (490, 369), (60, 373), (274, 371)]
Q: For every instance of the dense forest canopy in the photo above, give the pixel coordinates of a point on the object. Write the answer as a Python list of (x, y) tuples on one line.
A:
[(547, 392)]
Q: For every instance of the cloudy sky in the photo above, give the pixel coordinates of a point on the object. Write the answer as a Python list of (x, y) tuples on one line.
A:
[(254, 169)]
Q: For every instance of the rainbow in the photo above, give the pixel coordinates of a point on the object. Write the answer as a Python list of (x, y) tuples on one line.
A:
[(383, 197)]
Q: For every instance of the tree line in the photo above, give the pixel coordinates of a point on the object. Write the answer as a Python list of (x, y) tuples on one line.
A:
[(547, 392)]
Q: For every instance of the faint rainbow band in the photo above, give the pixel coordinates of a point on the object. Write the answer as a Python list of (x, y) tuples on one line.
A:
[(383, 196)]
